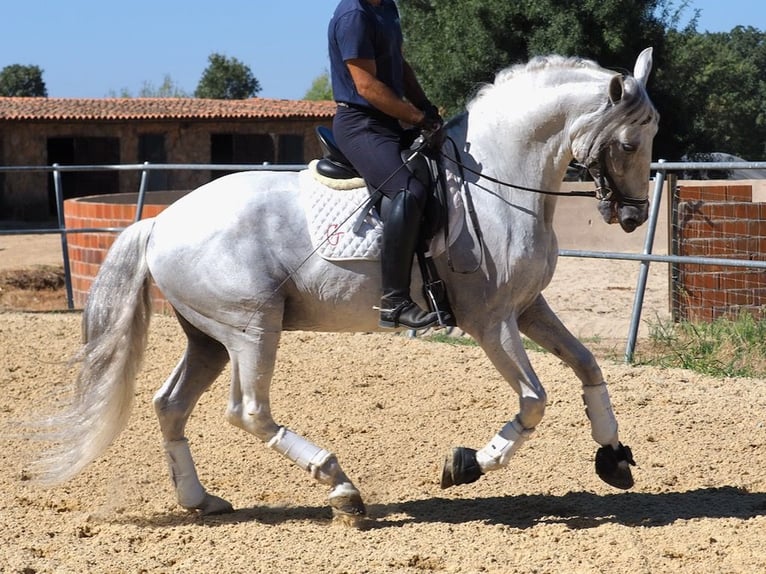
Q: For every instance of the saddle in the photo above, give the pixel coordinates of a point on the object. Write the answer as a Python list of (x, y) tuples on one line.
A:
[(335, 165)]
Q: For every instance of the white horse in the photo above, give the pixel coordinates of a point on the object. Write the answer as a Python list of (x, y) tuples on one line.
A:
[(235, 260)]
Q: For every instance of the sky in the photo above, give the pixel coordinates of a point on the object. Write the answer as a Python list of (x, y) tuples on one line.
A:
[(98, 48)]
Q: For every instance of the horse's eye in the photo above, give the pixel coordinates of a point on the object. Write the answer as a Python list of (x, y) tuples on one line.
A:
[(628, 147)]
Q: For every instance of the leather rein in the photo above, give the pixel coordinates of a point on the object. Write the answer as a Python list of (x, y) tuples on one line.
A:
[(605, 191), (605, 188)]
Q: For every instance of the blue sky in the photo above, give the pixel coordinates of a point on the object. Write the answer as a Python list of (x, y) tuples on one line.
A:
[(94, 48)]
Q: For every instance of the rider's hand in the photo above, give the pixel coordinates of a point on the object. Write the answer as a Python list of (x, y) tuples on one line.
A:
[(431, 126), (432, 120)]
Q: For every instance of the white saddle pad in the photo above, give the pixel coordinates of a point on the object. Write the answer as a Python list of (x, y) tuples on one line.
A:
[(331, 214)]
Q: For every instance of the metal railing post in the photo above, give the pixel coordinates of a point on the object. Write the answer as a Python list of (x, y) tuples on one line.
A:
[(643, 271), (57, 188), (141, 192)]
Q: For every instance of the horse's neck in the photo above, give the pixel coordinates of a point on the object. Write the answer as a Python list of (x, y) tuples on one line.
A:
[(509, 153)]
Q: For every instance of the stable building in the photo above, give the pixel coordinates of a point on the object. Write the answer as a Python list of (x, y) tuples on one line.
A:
[(112, 131)]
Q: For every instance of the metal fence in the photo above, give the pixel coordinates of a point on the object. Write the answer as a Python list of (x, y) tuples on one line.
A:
[(645, 258)]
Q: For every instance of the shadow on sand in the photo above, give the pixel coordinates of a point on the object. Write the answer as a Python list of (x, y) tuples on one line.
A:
[(577, 510)]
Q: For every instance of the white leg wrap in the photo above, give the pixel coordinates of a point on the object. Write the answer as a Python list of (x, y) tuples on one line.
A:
[(598, 407), (189, 490), (503, 445), (302, 452)]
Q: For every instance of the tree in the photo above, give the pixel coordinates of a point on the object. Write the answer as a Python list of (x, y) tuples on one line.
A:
[(227, 79), (22, 81), (320, 88), (717, 93), (168, 89), (455, 46), (708, 88)]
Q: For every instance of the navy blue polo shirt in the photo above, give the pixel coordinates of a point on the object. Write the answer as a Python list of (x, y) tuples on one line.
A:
[(360, 30)]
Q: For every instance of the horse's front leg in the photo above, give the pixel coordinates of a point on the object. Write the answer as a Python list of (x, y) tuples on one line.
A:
[(613, 459), (503, 345)]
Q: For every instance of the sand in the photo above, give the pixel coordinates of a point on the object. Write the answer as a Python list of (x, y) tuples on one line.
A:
[(391, 407)]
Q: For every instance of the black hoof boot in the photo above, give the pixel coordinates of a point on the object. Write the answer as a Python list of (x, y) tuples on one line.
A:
[(460, 467), (613, 466)]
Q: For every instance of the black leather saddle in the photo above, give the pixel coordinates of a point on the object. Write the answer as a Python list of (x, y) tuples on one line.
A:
[(333, 164)]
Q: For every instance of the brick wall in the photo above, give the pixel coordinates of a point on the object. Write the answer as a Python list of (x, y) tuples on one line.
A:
[(721, 222), (88, 250), (26, 195)]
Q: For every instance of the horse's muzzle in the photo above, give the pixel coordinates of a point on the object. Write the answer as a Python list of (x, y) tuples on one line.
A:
[(628, 216)]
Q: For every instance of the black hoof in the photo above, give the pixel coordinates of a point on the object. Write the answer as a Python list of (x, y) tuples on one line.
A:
[(460, 467), (613, 466)]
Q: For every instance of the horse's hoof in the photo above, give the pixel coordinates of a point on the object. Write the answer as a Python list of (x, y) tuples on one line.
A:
[(214, 505), (613, 466), (347, 505), (359, 522), (460, 467)]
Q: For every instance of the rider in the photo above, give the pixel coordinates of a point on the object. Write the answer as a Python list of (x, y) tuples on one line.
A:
[(370, 81)]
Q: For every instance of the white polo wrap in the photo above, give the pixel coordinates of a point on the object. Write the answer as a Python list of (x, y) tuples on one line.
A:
[(189, 491), (503, 445), (302, 452), (598, 407)]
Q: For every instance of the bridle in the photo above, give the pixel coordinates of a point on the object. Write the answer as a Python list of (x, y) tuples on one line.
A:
[(605, 190)]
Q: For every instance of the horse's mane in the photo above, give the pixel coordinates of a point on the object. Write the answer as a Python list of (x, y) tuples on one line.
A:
[(536, 64), (634, 107)]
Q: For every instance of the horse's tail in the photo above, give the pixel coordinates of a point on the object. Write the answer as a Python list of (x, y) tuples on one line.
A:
[(115, 325)]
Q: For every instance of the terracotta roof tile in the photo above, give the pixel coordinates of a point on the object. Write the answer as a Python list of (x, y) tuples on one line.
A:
[(159, 108)]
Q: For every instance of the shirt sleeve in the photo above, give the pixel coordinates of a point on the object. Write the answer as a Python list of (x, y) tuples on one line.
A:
[(353, 35)]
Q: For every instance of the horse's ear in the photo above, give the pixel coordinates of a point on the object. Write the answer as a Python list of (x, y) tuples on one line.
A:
[(616, 89), (643, 66)]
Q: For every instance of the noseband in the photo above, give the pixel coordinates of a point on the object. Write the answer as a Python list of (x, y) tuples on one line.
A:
[(606, 190)]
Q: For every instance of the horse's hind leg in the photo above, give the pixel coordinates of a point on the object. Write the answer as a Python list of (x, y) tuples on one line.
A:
[(202, 362), (249, 408), (613, 459)]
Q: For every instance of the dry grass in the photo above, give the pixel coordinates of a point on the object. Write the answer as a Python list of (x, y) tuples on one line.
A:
[(39, 288)]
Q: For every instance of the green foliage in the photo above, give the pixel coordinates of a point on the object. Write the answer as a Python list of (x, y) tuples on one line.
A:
[(440, 337), (168, 89), (710, 89), (723, 348), (227, 79), (22, 81), (455, 46), (320, 89)]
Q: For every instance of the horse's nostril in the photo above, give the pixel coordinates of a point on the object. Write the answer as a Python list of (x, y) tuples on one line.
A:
[(629, 225)]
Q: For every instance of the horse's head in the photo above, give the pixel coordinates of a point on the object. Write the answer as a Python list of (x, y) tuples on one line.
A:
[(619, 149)]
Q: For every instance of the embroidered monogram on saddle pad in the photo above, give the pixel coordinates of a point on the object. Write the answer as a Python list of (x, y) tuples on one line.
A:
[(331, 214)]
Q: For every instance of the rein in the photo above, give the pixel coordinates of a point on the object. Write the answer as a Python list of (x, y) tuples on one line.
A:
[(604, 189)]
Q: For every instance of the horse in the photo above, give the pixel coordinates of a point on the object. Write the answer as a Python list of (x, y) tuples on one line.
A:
[(235, 260)]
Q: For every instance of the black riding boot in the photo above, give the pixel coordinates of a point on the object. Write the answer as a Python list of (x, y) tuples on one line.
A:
[(400, 235)]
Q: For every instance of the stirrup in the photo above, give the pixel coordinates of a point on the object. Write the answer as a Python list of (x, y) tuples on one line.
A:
[(436, 295), (392, 318)]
